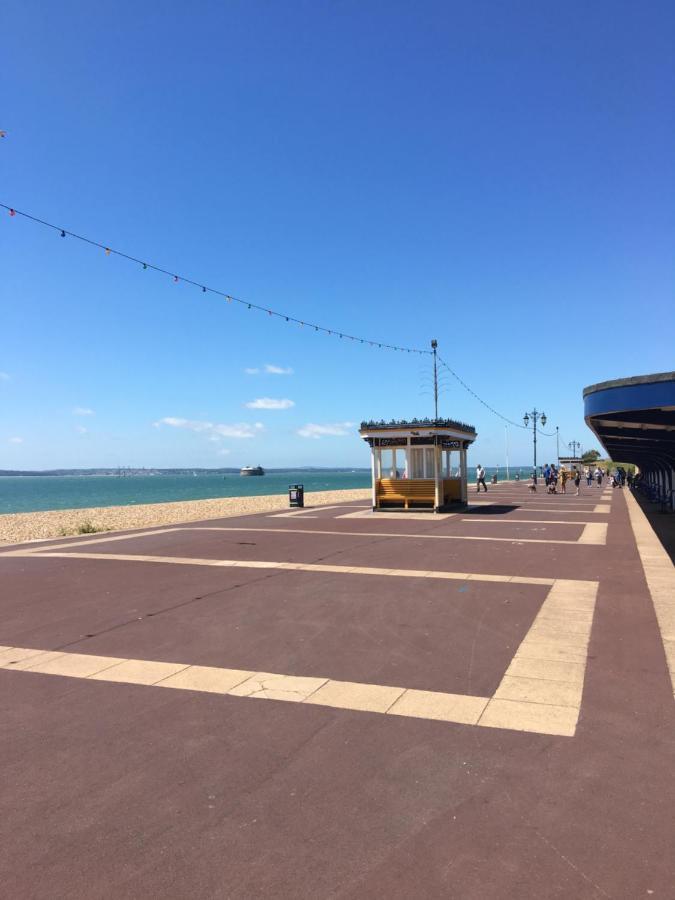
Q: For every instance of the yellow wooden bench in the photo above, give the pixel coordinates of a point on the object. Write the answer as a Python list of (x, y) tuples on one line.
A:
[(404, 492)]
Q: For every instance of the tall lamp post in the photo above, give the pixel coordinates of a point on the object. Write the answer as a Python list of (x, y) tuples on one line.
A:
[(534, 415), (574, 446)]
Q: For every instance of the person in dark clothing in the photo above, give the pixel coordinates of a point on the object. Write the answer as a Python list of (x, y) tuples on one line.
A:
[(577, 479)]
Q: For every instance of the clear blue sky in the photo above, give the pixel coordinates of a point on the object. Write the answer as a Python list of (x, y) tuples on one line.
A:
[(499, 176)]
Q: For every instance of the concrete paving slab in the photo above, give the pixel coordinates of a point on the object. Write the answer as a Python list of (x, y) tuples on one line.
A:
[(270, 686), (364, 697), (206, 678), (441, 707), (138, 671), (521, 716), (539, 690)]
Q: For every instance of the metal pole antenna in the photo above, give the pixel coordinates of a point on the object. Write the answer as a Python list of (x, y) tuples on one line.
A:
[(557, 443), (434, 347)]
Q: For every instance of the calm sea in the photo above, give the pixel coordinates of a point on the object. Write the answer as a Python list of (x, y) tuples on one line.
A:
[(34, 493), (30, 493)]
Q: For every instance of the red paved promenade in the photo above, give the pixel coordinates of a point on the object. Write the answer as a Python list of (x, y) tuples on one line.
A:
[(331, 703)]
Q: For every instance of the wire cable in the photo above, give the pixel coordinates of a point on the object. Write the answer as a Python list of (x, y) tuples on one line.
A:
[(480, 399)]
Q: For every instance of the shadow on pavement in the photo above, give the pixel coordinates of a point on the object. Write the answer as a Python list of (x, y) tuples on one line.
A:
[(492, 510)]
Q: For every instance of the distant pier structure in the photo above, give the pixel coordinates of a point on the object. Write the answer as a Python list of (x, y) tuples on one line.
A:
[(418, 464)]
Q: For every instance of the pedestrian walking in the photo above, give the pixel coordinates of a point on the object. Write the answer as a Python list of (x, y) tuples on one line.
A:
[(598, 476), (589, 476), (563, 480), (480, 478), (577, 479)]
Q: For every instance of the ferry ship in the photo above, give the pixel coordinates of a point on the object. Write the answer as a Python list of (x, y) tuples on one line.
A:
[(252, 470)]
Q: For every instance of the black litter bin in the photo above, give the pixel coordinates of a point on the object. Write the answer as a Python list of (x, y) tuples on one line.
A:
[(296, 495)]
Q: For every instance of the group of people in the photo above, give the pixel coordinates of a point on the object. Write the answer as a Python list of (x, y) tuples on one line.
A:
[(554, 477), (557, 477), (617, 477)]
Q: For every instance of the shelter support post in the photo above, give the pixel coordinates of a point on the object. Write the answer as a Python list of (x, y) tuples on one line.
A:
[(438, 483), (464, 494), (375, 474)]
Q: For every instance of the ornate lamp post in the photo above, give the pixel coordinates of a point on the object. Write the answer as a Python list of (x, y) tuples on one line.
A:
[(574, 446), (534, 415)]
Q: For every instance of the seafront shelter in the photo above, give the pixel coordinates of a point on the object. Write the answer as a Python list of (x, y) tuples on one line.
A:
[(634, 419), (419, 463)]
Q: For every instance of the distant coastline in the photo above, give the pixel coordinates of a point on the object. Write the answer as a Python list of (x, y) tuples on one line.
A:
[(126, 471)]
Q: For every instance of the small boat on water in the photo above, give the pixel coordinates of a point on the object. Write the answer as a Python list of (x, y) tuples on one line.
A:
[(252, 470)]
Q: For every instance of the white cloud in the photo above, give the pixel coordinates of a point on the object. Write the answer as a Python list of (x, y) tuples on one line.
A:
[(4, 376), (83, 411), (16, 440), (223, 452), (80, 429), (336, 429), (269, 369), (239, 430), (269, 403)]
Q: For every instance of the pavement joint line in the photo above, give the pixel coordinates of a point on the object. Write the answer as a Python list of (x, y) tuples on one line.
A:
[(527, 495), (402, 515), (301, 567), (307, 511), (463, 709), (660, 576), (44, 551), (502, 521), (386, 534), (542, 509)]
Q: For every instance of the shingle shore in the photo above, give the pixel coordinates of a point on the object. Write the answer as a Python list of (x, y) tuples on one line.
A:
[(17, 527)]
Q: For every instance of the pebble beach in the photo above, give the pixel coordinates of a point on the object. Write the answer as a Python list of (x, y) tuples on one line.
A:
[(19, 527)]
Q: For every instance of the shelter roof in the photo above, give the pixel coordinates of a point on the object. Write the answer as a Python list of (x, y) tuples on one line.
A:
[(412, 424), (634, 418)]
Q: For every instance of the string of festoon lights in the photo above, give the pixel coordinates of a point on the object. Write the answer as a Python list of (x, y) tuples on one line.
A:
[(206, 289), (231, 298)]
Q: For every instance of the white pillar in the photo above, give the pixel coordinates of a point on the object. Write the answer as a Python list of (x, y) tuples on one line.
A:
[(374, 452), (464, 496), (438, 486)]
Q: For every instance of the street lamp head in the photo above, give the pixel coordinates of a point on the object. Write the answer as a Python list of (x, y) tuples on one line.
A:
[(526, 420), (543, 418)]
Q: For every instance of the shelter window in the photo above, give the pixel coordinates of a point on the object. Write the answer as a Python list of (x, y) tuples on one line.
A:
[(422, 462)]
